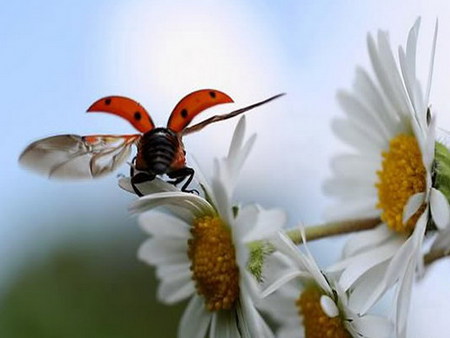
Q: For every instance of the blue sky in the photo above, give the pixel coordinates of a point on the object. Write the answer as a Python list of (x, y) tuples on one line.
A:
[(57, 57)]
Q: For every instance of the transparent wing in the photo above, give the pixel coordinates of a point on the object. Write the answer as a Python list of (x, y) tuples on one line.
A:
[(77, 157)]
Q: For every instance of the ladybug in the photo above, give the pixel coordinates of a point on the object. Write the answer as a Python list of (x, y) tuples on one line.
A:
[(160, 150)]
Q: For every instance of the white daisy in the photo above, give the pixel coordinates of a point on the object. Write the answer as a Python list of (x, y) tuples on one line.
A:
[(198, 247), (389, 175), (308, 303)]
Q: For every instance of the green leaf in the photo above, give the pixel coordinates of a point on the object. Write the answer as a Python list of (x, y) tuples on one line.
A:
[(442, 169)]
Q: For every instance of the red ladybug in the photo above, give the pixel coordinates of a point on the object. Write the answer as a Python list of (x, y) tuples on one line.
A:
[(159, 150)]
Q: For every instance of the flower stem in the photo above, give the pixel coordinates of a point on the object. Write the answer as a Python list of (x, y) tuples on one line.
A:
[(434, 255), (333, 229)]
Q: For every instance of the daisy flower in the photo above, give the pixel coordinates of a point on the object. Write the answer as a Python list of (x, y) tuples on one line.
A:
[(390, 174), (198, 246), (308, 303)]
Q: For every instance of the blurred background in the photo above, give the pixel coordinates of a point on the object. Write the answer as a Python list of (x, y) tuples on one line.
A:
[(68, 264)]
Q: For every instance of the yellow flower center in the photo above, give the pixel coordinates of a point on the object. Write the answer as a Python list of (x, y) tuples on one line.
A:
[(214, 267), (402, 175), (316, 323)]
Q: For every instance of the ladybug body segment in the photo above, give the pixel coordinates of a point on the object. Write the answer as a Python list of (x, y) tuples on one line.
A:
[(158, 152)]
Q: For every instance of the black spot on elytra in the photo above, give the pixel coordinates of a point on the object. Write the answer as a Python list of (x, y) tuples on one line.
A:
[(184, 113), (137, 116), (107, 102), (212, 94)]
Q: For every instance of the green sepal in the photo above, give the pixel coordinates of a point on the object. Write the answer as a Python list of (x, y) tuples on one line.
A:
[(258, 252), (442, 169)]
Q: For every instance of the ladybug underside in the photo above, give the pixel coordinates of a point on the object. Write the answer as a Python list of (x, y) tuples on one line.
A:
[(161, 151)]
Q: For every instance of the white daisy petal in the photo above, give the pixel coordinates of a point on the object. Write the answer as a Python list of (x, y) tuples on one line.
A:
[(403, 299), (238, 138), (163, 251), (368, 282), (329, 306), (419, 230), (413, 204), (349, 165), (362, 208), (430, 71), (411, 47), (373, 327), (341, 187), (376, 100), (168, 271), (227, 169), (223, 199), (395, 269), (284, 245), (382, 74), (399, 263), (247, 216), (266, 222), (366, 239), (357, 265), (394, 82), (201, 178), (242, 157), (408, 65), (275, 267), (356, 136), (146, 188), (180, 213), (281, 305), (284, 278), (164, 225), (363, 117), (428, 150), (192, 202), (440, 210), (418, 237), (253, 319), (224, 325), (213, 329), (125, 184), (194, 328), (174, 290)]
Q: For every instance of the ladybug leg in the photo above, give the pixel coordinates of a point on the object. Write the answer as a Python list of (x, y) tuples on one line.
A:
[(140, 178), (179, 175), (133, 161)]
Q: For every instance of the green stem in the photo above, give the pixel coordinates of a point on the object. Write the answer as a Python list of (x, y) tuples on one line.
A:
[(333, 229), (262, 248), (434, 255)]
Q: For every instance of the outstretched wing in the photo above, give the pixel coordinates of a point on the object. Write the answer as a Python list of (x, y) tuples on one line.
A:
[(126, 108), (77, 157), (217, 118), (193, 104)]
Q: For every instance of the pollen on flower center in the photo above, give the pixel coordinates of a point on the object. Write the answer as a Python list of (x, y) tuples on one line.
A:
[(402, 175), (213, 263), (315, 321)]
